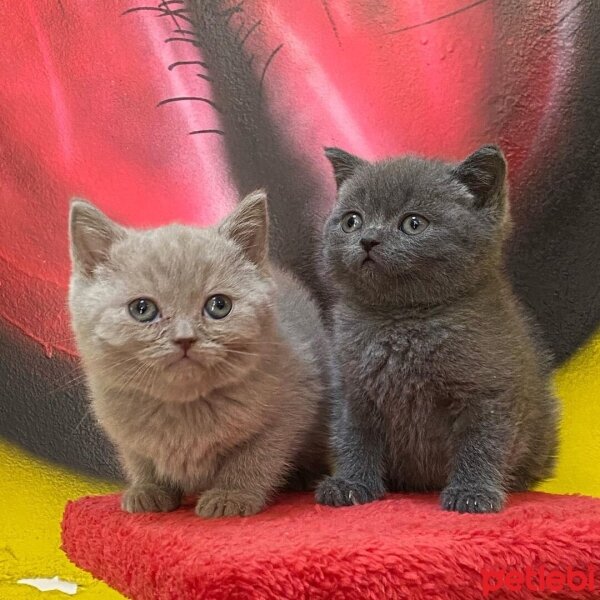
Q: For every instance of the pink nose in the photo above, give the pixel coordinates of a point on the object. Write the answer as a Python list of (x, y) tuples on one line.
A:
[(185, 343)]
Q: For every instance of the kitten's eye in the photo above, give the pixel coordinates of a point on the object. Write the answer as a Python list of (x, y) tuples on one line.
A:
[(414, 224), (218, 306), (351, 222), (143, 310)]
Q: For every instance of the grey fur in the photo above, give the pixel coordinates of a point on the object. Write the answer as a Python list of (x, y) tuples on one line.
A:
[(439, 383), (248, 412)]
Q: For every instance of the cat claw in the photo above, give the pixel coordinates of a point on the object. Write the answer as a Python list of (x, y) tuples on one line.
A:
[(472, 500), (335, 491)]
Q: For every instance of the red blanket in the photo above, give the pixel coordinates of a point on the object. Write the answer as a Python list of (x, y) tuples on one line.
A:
[(401, 547)]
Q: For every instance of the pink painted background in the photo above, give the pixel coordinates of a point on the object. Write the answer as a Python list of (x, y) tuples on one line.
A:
[(271, 83)]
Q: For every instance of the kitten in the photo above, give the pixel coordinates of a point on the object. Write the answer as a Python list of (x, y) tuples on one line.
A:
[(439, 385), (206, 364)]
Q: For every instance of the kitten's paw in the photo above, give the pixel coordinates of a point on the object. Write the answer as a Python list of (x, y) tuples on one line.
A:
[(464, 499), (229, 503), (335, 491), (150, 498)]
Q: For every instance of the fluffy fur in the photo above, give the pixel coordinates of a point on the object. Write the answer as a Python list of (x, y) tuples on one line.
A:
[(439, 384), (231, 407)]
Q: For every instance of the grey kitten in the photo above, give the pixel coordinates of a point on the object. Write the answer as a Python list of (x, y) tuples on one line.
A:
[(206, 364), (439, 385)]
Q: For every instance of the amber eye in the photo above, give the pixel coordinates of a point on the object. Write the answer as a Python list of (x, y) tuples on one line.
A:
[(351, 221), (218, 306), (143, 310), (414, 224)]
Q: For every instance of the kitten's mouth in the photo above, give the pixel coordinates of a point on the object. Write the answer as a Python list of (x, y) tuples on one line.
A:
[(184, 359), (367, 261)]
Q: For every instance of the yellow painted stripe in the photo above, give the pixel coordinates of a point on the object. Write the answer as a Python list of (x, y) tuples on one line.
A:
[(33, 497), (578, 386)]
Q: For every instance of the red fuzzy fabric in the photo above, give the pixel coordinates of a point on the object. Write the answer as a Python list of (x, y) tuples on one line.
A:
[(401, 547)]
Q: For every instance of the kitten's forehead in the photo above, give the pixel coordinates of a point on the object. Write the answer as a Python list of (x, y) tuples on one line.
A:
[(388, 186), (177, 263)]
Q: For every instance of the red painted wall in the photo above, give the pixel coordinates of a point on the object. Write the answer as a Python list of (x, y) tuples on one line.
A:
[(93, 103)]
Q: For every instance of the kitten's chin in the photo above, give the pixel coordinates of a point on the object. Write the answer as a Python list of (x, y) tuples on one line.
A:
[(181, 379), (185, 384), (187, 380), (184, 369)]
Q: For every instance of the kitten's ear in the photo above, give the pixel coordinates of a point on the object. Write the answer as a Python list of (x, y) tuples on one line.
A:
[(92, 234), (484, 174), (343, 164), (248, 226)]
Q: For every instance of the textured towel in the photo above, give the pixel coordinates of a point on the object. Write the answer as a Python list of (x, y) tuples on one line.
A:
[(402, 547)]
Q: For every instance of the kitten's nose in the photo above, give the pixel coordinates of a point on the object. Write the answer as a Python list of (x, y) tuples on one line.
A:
[(185, 342), (368, 243)]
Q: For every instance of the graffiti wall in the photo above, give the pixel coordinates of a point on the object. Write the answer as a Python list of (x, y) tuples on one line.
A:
[(172, 110)]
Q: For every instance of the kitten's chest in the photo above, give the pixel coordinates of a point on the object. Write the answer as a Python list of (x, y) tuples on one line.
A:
[(404, 371), (180, 441), (190, 462), (186, 442), (406, 360)]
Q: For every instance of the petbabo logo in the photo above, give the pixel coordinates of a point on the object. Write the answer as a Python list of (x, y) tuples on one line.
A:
[(538, 580)]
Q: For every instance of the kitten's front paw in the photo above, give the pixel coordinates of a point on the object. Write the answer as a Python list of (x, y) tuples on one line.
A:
[(464, 499), (150, 498), (229, 503), (335, 491)]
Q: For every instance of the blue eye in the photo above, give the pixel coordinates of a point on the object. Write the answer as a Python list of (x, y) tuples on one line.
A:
[(414, 224), (351, 221), (218, 306), (143, 310)]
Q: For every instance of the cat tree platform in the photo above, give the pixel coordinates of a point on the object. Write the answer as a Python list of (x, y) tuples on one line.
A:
[(402, 547)]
